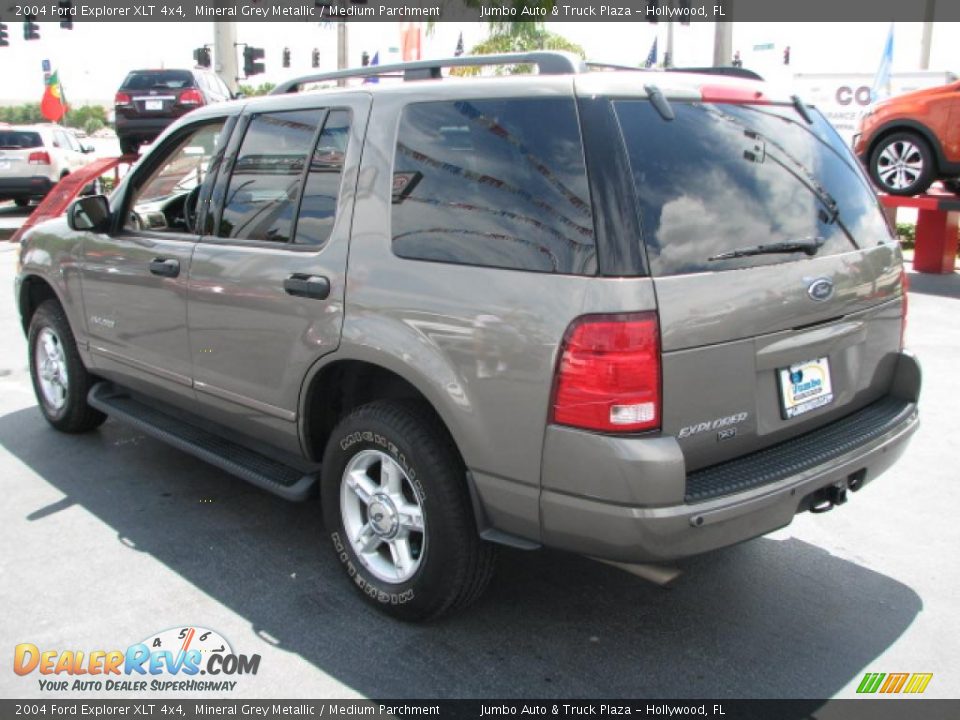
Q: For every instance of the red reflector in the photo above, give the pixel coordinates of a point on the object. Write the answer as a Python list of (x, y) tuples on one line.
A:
[(191, 97), (608, 377), (39, 158), (121, 99), (731, 94)]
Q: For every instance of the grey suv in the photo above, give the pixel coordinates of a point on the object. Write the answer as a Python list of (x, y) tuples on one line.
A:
[(636, 316)]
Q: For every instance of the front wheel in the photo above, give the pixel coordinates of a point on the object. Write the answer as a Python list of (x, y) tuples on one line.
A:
[(129, 146), (60, 380), (902, 164), (396, 507)]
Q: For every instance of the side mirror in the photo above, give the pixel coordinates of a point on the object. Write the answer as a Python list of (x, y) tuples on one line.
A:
[(87, 149), (89, 213), (238, 96)]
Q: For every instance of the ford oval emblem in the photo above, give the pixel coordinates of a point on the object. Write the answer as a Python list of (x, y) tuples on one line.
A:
[(820, 289)]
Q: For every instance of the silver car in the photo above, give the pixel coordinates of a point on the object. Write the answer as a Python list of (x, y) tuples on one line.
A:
[(632, 315)]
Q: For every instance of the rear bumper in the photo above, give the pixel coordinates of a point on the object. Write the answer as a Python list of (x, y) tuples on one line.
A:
[(142, 128), (25, 187), (631, 513)]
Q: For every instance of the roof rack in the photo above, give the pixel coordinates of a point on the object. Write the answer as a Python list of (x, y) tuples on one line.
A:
[(723, 70), (547, 62)]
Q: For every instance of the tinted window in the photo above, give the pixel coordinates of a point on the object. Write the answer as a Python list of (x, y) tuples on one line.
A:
[(319, 204), (261, 197), (724, 177), (158, 80), (499, 183), (19, 139)]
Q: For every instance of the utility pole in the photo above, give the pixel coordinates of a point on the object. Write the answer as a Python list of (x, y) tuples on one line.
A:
[(722, 44), (927, 35), (225, 52), (342, 50), (670, 56)]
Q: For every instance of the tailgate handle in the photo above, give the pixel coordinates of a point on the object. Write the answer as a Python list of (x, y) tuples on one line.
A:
[(165, 267), (308, 286)]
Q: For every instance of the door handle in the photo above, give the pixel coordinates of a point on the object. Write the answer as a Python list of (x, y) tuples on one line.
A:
[(165, 267), (308, 286)]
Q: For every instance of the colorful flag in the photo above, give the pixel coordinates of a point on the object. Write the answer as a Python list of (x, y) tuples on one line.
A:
[(53, 106), (459, 51), (376, 61), (652, 55), (410, 40), (881, 81)]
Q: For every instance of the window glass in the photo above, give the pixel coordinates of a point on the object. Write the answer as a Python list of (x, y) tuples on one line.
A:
[(319, 205), (262, 195), (19, 140), (158, 80), (499, 183), (159, 201), (722, 177)]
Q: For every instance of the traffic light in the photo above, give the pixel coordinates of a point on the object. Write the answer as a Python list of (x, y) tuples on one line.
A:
[(65, 13), (364, 58), (250, 64), (4, 37), (737, 61), (315, 58), (202, 56), (286, 57), (786, 55), (31, 31)]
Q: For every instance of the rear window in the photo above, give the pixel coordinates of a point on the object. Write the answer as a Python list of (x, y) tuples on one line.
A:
[(19, 140), (158, 80), (495, 183), (720, 178)]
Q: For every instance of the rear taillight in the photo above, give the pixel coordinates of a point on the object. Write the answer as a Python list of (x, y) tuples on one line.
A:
[(905, 285), (191, 97), (121, 99), (608, 376), (39, 158)]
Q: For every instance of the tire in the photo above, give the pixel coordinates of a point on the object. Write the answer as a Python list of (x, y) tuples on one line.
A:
[(902, 164), (398, 456), (60, 380), (21, 202), (129, 146)]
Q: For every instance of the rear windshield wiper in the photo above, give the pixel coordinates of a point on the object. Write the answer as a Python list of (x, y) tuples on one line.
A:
[(810, 246)]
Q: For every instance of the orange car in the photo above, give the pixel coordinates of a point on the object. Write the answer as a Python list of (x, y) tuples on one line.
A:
[(911, 140)]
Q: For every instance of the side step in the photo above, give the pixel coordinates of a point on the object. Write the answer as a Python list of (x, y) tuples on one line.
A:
[(255, 468)]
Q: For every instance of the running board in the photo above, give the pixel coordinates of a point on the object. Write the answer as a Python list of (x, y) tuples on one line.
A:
[(257, 469)]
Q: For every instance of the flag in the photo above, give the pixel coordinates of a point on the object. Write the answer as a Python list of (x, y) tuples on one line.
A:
[(410, 40), (459, 51), (881, 81), (375, 61), (53, 106), (652, 55)]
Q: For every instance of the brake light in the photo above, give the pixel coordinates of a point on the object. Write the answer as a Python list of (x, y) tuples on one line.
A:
[(905, 284), (732, 94), (121, 99), (191, 97), (39, 158), (608, 376)]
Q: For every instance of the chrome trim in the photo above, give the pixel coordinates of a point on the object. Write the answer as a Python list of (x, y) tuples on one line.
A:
[(140, 365), (265, 408)]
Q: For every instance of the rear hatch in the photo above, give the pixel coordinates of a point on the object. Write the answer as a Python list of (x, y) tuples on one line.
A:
[(777, 282), (17, 149), (155, 93)]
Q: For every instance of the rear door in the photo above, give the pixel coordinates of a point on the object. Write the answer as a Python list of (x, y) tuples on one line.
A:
[(267, 280), (760, 347)]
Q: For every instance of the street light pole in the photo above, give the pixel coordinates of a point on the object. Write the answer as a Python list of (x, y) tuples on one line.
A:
[(722, 44), (225, 52), (927, 35), (342, 50)]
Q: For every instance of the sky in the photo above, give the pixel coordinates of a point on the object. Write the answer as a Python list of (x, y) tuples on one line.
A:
[(93, 58)]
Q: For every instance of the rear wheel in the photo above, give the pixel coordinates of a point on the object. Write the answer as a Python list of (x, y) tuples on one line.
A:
[(22, 202), (952, 186), (902, 164), (60, 380), (129, 146), (398, 513)]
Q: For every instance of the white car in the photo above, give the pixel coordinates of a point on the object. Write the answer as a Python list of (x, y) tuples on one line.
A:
[(33, 158)]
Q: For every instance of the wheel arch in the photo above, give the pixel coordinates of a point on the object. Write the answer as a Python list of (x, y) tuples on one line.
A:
[(907, 125), (34, 291)]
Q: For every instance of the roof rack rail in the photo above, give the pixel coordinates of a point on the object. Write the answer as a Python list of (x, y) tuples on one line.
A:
[(548, 63), (722, 70)]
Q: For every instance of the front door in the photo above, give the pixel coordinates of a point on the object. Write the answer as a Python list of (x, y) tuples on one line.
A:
[(135, 279), (267, 284)]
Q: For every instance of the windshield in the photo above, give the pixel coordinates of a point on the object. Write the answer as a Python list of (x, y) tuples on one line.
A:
[(158, 79), (723, 177)]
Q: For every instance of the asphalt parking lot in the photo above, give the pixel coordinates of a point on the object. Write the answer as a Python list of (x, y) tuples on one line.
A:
[(110, 537)]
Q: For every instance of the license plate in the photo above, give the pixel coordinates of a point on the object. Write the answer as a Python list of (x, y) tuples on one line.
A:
[(153, 105), (804, 387)]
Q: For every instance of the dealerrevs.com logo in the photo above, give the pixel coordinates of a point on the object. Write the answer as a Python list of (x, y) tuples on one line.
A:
[(172, 660)]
